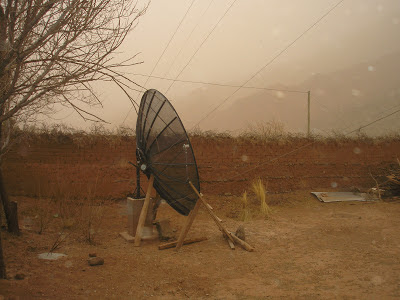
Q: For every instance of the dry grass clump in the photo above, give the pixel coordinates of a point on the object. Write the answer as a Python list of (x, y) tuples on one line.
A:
[(245, 214), (256, 205), (260, 192)]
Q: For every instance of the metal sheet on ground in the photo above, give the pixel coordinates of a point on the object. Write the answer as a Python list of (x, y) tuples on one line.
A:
[(343, 196)]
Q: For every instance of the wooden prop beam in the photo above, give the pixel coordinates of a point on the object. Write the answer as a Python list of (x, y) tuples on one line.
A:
[(230, 237), (212, 214), (242, 243), (185, 242), (143, 213), (187, 226)]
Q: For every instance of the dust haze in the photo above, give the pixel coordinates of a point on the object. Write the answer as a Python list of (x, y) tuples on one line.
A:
[(349, 60)]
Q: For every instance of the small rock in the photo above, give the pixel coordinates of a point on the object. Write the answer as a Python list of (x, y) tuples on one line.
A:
[(92, 255), (165, 232), (19, 276), (95, 261), (228, 194), (240, 233)]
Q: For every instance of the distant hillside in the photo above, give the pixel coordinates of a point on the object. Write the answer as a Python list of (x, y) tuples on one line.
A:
[(340, 101), (347, 99)]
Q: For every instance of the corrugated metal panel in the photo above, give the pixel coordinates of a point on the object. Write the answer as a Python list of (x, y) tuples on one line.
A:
[(343, 196)]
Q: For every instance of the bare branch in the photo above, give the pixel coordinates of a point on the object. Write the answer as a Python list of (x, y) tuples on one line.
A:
[(52, 50)]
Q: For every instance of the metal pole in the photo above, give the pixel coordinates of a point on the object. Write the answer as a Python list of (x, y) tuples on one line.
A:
[(309, 114), (137, 182)]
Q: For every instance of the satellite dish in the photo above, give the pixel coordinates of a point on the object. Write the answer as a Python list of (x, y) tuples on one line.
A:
[(165, 155), (163, 150)]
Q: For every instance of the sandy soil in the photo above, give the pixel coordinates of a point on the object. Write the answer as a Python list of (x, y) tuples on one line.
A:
[(306, 249)]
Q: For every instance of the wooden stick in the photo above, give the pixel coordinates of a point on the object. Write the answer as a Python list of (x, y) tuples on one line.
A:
[(186, 242), (231, 244), (187, 226), (392, 179), (212, 214), (242, 243), (143, 213)]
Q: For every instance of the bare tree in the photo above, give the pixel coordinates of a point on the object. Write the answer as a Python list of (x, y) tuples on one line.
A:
[(51, 51)]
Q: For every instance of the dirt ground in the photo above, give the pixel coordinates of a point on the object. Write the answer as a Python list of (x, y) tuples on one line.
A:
[(305, 249)]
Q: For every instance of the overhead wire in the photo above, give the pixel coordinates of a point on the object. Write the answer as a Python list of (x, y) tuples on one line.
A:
[(222, 85), (202, 43), (165, 49), (310, 144), (270, 62), (382, 112), (377, 120), (188, 38)]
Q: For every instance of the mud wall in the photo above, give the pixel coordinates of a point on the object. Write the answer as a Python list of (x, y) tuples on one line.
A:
[(101, 169)]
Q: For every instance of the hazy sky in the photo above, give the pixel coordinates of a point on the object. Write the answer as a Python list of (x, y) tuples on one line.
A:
[(251, 34)]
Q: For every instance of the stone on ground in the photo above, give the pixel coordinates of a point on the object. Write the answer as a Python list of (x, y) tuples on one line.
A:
[(240, 233), (95, 261), (165, 232)]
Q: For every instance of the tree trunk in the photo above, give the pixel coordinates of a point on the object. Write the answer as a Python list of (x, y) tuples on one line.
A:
[(10, 209), (2, 262)]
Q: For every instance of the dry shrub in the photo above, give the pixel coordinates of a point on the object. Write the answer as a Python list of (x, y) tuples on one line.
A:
[(42, 211), (44, 216), (80, 216), (259, 191), (40, 215), (63, 134), (265, 131), (91, 215), (196, 132)]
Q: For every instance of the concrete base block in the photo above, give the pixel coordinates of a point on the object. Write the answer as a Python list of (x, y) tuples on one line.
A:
[(134, 208)]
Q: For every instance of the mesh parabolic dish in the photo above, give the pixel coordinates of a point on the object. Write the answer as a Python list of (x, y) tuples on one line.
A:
[(164, 150)]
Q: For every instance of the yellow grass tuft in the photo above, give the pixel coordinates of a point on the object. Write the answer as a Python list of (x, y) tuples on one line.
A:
[(245, 214), (259, 190)]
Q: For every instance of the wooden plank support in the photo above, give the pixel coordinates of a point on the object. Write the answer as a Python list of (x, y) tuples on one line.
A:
[(187, 226), (212, 214), (143, 213), (127, 237), (185, 242), (242, 243)]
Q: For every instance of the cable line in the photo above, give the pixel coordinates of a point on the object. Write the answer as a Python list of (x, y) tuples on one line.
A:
[(221, 84), (188, 38), (311, 143), (377, 120), (270, 62), (397, 105), (165, 49), (202, 43)]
